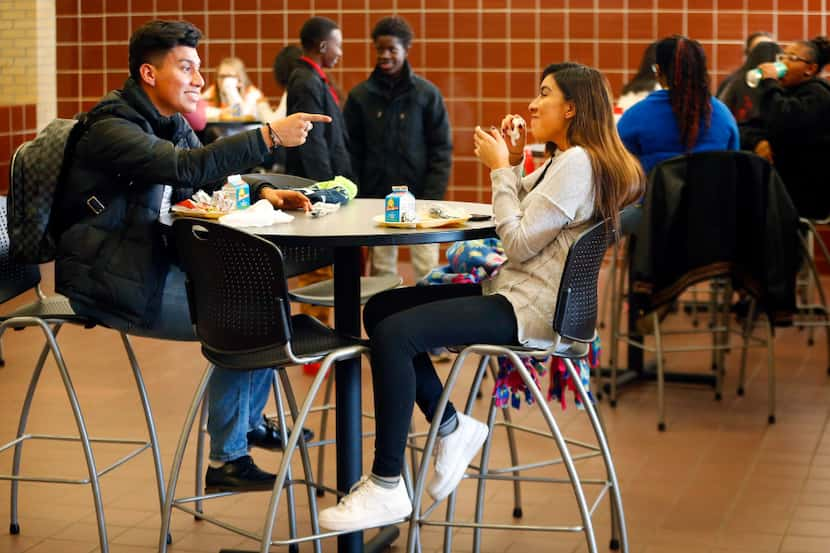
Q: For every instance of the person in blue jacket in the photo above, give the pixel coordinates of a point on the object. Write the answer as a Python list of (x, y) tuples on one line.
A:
[(682, 118)]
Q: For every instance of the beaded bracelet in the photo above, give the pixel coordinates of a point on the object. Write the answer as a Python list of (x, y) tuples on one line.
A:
[(275, 138)]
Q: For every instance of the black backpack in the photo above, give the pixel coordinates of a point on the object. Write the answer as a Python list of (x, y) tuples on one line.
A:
[(37, 169)]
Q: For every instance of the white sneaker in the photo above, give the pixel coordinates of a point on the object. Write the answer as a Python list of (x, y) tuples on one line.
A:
[(368, 505), (454, 453)]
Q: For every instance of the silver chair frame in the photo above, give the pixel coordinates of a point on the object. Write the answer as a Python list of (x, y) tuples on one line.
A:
[(50, 329), (421, 516)]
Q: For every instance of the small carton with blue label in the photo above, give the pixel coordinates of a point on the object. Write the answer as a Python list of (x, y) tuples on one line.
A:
[(400, 206), (238, 192)]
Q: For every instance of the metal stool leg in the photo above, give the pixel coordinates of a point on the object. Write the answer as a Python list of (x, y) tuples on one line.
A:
[(312, 496), (611, 472), (567, 459), (84, 435), (176, 467), (151, 424), (468, 409), (199, 484), (771, 375), (283, 423), (324, 419), (14, 523), (747, 334), (279, 484), (661, 376), (485, 464)]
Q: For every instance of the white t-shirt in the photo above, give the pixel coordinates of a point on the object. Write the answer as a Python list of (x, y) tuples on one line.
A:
[(537, 224)]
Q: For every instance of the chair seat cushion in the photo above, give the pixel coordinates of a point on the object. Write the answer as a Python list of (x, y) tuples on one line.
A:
[(55, 307), (322, 293), (311, 340)]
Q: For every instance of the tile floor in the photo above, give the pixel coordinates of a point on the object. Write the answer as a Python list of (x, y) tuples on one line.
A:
[(720, 480)]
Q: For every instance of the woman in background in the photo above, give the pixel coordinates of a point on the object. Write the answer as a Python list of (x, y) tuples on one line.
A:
[(233, 96), (795, 110), (744, 101), (682, 118), (643, 83)]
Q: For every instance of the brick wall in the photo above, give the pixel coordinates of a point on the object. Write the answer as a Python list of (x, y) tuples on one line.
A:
[(27, 74), (485, 55)]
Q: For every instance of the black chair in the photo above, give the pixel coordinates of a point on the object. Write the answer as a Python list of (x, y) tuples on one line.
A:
[(49, 314), (723, 216), (574, 325), (240, 307)]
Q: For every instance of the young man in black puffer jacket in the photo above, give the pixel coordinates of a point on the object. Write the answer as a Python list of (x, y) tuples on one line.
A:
[(137, 157), (399, 134)]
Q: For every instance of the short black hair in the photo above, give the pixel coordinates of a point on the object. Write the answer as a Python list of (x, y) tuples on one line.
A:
[(316, 30), (156, 38), (751, 38), (285, 62), (394, 26)]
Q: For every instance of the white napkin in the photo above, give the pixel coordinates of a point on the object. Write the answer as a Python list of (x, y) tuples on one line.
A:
[(261, 214)]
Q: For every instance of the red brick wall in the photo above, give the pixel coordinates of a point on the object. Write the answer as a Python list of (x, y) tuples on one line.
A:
[(485, 55), (17, 124)]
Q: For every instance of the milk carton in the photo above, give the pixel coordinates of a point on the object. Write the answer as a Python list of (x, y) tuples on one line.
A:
[(400, 206), (238, 192)]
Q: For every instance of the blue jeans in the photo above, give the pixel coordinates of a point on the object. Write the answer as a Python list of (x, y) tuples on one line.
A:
[(235, 399)]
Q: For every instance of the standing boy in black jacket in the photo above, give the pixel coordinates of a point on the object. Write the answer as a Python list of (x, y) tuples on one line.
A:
[(399, 134), (324, 154)]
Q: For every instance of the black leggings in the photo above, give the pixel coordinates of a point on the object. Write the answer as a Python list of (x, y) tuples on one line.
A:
[(403, 325)]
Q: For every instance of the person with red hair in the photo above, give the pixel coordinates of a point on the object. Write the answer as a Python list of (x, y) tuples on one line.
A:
[(682, 118)]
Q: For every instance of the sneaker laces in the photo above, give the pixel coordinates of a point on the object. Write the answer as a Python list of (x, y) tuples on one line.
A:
[(358, 489)]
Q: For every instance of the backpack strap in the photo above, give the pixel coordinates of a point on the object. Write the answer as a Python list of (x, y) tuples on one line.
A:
[(95, 203)]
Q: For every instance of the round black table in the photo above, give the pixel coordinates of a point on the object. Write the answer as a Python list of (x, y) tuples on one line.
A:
[(346, 231)]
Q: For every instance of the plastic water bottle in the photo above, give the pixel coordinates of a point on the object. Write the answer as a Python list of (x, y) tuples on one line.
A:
[(754, 76)]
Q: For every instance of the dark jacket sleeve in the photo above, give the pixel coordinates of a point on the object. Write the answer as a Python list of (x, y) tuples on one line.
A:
[(124, 148), (304, 95), (353, 117), (439, 147), (785, 113)]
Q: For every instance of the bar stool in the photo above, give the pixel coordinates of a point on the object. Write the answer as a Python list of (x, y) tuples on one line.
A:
[(574, 325), (240, 308), (811, 314), (50, 313)]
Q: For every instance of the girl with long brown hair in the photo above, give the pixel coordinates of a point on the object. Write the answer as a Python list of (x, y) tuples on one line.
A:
[(538, 217), (682, 118)]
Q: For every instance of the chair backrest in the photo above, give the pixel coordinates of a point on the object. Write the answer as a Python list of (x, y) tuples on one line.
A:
[(236, 287), (575, 317), (14, 277), (713, 214)]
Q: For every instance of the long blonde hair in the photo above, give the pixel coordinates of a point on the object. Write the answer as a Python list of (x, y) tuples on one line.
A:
[(618, 176), (238, 67)]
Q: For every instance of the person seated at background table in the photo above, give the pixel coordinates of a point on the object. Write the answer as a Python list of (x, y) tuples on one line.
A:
[(136, 158), (643, 83), (538, 217), (682, 118), (744, 101), (739, 74), (795, 110), (233, 96), (399, 134), (284, 64)]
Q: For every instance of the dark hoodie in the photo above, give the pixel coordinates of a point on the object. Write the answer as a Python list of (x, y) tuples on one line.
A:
[(117, 261), (399, 134), (797, 125), (744, 101)]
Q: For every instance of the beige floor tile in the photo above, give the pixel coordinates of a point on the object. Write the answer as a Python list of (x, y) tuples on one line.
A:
[(799, 544)]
